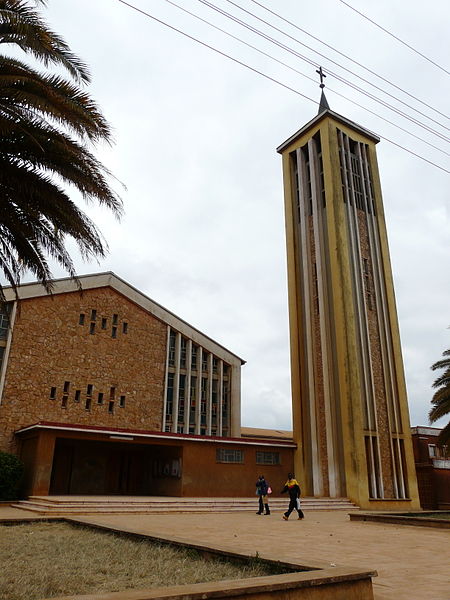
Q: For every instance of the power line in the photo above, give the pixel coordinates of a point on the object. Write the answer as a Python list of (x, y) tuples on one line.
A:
[(161, 22), (146, 14), (396, 38), (336, 75), (349, 58), (241, 41), (237, 20)]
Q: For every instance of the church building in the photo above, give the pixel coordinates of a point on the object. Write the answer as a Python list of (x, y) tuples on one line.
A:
[(104, 391)]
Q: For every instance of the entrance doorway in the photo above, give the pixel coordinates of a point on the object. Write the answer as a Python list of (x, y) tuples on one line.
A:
[(84, 467)]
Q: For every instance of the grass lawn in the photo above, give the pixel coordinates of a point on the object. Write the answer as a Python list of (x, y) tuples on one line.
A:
[(41, 560), (430, 515)]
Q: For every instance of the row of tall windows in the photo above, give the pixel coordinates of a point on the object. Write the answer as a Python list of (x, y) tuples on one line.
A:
[(197, 394)]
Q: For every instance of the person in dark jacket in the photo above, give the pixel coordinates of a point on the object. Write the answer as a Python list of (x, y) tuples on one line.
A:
[(262, 490), (293, 488)]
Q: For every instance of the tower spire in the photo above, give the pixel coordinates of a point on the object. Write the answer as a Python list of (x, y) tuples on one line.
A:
[(323, 105)]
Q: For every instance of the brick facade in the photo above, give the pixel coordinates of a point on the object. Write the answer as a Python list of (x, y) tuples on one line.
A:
[(50, 349)]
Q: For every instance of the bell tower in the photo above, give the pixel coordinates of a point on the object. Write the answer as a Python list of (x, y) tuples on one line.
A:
[(350, 412)]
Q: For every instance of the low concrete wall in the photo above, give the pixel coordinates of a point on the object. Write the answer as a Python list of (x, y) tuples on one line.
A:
[(337, 583), (399, 519)]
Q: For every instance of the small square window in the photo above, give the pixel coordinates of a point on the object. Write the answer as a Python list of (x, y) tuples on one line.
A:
[(104, 322), (125, 327), (114, 332), (100, 398), (122, 401), (267, 458), (229, 455), (77, 395), (81, 319), (52, 393)]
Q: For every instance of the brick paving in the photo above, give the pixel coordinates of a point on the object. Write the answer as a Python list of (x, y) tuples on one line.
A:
[(412, 562)]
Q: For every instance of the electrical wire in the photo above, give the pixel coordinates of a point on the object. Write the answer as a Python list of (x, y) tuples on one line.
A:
[(349, 58), (288, 49), (336, 75), (161, 22), (241, 41), (396, 38)]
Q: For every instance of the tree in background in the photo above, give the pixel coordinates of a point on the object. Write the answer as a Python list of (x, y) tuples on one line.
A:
[(11, 473), (441, 398), (47, 122)]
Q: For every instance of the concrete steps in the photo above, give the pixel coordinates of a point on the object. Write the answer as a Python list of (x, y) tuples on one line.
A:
[(109, 505)]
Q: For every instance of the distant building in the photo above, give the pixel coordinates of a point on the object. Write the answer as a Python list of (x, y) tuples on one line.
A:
[(432, 467), (107, 392)]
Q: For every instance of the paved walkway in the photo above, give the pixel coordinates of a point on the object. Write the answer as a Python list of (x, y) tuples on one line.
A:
[(412, 562)]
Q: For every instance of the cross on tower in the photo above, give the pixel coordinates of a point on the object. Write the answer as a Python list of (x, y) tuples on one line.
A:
[(322, 76)]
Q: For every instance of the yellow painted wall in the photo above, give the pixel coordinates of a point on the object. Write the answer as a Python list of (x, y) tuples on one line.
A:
[(349, 385)]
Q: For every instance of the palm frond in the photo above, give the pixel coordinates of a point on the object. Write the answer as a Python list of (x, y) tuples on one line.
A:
[(444, 436), (46, 122), (51, 96), (441, 364), (440, 409), (22, 26)]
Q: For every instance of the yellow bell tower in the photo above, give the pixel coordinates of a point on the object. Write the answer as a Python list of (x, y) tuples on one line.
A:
[(350, 412)]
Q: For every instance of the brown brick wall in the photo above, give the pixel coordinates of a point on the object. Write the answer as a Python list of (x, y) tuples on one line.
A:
[(50, 347)]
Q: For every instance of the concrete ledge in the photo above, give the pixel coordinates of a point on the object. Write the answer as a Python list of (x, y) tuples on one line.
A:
[(403, 519), (338, 583)]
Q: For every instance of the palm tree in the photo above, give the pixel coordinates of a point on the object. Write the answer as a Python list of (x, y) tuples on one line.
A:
[(441, 399), (47, 122)]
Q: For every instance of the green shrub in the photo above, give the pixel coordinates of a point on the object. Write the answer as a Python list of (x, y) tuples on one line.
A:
[(11, 471)]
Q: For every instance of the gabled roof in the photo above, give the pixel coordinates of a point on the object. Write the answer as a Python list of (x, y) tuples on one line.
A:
[(324, 113), (65, 285), (273, 434)]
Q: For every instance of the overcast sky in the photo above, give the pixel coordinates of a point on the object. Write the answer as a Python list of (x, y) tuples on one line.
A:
[(203, 231)]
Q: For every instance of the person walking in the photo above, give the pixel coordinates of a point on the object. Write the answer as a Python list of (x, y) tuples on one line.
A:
[(263, 490), (293, 488)]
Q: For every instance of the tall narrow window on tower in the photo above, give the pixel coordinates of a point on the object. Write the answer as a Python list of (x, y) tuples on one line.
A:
[(356, 177), (307, 186)]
